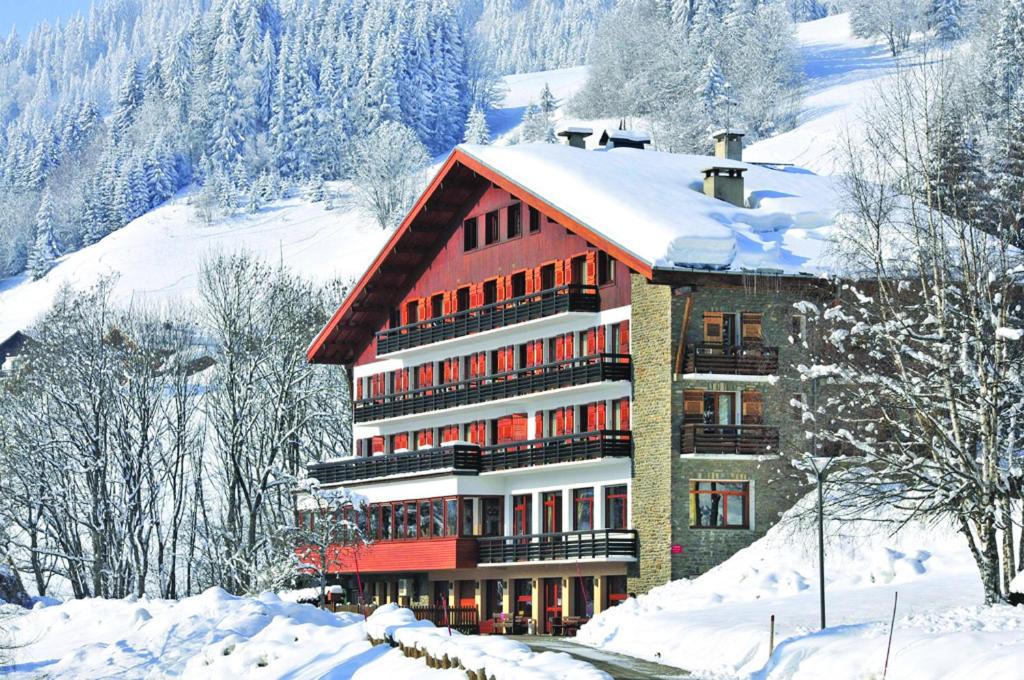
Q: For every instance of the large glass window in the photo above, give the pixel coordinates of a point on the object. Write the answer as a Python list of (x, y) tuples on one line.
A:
[(437, 516), (385, 522), (492, 516), (615, 511), (424, 519), (451, 516), (719, 505), (467, 517), (583, 509)]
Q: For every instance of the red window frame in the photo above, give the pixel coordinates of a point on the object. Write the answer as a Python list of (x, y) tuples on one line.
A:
[(727, 495), (580, 500)]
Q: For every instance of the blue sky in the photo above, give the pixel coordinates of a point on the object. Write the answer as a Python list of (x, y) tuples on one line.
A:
[(25, 14)]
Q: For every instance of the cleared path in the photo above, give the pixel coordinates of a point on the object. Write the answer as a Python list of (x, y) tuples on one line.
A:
[(619, 666)]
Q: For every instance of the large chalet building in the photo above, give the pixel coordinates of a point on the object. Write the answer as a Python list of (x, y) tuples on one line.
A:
[(573, 374)]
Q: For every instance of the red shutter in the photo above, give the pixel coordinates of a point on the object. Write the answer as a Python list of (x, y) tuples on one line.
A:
[(559, 348), (500, 285), (450, 433), (559, 423), (567, 266), (528, 275), (402, 441), (590, 346), (570, 419), (359, 389), (456, 369), (602, 415), (424, 308), (624, 414), (449, 302), (559, 274), (529, 354), (601, 339), (569, 339), (403, 312), (624, 337), (592, 268), (591, 417), (538, 425), (518, 424), (377, 445)]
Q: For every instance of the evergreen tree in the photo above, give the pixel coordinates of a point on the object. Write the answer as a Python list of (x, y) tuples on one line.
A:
[(476, 128), (44, 251), (535, 124), (712, 88), (129, 99), (946, 19), (548, 103)]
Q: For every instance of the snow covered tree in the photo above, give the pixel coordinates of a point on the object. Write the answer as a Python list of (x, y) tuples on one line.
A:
[(712, 88), (894, 21), (924, 342), (548, 103), (387, 167), (44, 251), (946, 19), (328, 521), (535, 124), (476, 128)]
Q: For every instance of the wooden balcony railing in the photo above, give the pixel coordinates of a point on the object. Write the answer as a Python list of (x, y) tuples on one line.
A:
[(522, 381), (743, 439), (566, 545), (469, 459), (748, 359), (458, 458), (565, 449), (571, 298)]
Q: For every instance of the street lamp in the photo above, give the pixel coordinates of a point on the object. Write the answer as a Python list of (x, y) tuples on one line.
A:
[(820, 465)]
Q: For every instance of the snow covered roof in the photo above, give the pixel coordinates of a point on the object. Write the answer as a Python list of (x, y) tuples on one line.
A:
[(651, 204)]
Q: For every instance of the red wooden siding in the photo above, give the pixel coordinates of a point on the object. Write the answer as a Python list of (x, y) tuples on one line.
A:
[(391, 556)]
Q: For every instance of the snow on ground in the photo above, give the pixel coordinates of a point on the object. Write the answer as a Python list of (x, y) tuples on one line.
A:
[(157, 256), (842, 74), (523, 88), (717, 624), (217, 635)]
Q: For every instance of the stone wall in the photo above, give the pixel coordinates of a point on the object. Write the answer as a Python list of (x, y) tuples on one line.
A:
[(651, 420)]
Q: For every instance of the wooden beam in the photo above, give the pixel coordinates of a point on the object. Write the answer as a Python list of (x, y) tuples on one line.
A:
[(681, 348)]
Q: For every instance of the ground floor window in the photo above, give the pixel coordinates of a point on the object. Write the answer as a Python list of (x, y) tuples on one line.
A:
[(523, 589), (616, 587), (583, 603), (719, 505)]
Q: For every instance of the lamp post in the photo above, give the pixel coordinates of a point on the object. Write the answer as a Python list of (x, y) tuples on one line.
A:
[(820, 464)]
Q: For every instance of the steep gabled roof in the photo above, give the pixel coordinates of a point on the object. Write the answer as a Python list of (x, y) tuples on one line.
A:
[(455, 188)]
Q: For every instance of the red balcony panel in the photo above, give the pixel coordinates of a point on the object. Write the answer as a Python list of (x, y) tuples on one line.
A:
[(411, 555)]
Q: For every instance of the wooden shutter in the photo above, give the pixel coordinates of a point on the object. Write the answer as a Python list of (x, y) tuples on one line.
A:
[(423, 304), (403, 313), (402, 441), (623, 414), (592, 417), (538, 425), (500, 286), (624, 338), (519, 428), (559, 273), (601, 339), (567, 265), (449, 302), (591, 346), (377, 445), (713, 327), (570, 419), (559, 422), (602, 415), (693, 406), (569, 340), (752, 408), (591, 268), (559, 348), (359, 389), (449, 433), (750, 324), (529, 275)]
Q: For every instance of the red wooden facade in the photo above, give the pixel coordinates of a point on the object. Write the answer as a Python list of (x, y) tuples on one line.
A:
[(450, 552)]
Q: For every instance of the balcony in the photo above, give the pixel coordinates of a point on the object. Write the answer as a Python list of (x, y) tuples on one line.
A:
[(754, 440), (566, 373), (459, 459), (748, 359), (571, 298), (566, 449), (594, 544)]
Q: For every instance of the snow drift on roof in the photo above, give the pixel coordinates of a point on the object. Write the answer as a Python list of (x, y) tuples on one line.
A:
[(652, 204)]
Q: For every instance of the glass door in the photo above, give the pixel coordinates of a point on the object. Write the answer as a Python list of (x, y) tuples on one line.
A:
[(552, 602)]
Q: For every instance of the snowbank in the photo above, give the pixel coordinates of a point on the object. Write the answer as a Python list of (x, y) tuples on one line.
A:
[(501, 658), (719, 621)]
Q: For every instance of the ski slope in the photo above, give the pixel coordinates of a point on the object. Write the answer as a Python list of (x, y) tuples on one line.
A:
[(842, 74)]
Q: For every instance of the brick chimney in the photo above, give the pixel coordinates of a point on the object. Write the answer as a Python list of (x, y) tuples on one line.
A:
[(576, 136), (728, 144)]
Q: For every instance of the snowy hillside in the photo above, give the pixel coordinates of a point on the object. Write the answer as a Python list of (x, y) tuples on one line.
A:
[(718, 622)]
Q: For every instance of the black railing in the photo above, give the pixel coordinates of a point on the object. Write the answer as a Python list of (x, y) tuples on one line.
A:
[(744, 439), (749, 359), (566, 545), (459, 458), (571, 298), (564, 449), (565, 373)]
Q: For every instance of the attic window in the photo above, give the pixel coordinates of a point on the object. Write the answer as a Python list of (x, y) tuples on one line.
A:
[(492, 229), (605, 268), (534, 220), (514, 226), (469, 235)]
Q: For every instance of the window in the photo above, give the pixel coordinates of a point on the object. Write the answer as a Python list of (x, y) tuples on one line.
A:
[(490, 292), (462, 299), (615, 511), (534, 220), (385, 522), (719, 505), (437, 516), (437, 305), (395, 318), (583, 509), (514, 227), (492, 229), (797, 327), (605, 269), (451, 516), (425, 519), (467, 517), (518, 284), (547, 277), (412, 311), (469, 234), (491, 508)]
